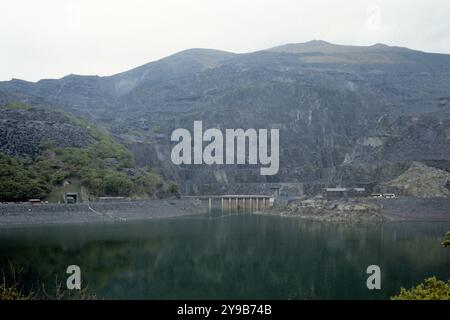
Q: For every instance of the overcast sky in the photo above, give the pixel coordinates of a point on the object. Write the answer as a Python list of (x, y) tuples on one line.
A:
[(53, 38)]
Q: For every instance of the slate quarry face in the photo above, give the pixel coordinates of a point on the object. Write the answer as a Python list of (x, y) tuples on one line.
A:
[(347, 115), (25, 132)]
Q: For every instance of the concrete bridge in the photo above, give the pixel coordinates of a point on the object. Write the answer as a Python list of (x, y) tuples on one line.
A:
[(236, 202), (252, 202)]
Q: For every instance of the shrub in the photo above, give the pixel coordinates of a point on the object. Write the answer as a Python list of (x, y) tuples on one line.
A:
[(430, 289), (19, 181), (13, 287), (170, 187), (23, 178), (117, 184), (147, 184), (446, 241)]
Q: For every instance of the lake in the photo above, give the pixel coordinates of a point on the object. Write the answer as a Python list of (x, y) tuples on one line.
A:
[(229, 257)]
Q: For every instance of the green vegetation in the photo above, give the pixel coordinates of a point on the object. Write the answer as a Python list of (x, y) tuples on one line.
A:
[(170, 187), (22, 179), (12, 288), (89, 165), (430, 289), (446, 241), (16, 106), (99, 168), (14, 292), (19, 180)]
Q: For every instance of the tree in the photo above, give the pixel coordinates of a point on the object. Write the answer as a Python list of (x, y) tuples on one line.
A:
[(19, 181), (117, 184), (171, 187)]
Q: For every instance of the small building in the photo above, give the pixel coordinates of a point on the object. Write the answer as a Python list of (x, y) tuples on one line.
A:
[(71, 198), (357, 192), (335, 193), (339, 193), (35, 202)]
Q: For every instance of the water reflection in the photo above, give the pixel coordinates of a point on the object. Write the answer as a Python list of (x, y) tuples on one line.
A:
[(237, 256)]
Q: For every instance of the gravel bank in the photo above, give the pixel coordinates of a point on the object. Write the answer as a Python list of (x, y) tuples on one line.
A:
[(350, 211), (367, 211), (25, 214)]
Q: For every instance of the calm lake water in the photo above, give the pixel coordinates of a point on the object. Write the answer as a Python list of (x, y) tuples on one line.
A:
[(236, 257)]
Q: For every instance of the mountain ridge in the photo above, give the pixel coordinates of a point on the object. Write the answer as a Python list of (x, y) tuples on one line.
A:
[(347, 117), (303, 47)]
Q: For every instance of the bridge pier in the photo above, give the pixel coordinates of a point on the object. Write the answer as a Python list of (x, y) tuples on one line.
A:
[(239, 203), (243, 202)]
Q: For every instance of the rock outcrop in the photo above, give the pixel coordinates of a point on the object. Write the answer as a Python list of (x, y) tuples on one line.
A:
[(419, 181), (350, 211), (24, 132)]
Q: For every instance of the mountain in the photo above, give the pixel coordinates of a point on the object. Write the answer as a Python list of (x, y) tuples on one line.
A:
[(318, 51), (348, 115), (320, 46), (177, 65)]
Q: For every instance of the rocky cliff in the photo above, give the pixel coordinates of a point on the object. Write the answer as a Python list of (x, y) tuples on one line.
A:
[(24, 131), (347, 115), (419, 181), (45, 153)]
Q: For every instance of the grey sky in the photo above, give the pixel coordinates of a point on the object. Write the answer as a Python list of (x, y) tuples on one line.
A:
[(53, 38)]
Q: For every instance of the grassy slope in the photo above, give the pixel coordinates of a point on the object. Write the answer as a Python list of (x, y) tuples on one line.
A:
[(98, 168)]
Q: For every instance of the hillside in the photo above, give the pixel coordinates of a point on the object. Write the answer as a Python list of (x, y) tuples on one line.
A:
[(420, 181), (24, 131), (347, 115), (45, 153)]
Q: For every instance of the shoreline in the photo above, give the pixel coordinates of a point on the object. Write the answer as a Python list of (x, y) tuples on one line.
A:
[(367, 210), (349, 211), (26, 215)]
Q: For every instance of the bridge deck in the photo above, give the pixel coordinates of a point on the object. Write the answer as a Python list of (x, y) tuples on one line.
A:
[(232, 196)]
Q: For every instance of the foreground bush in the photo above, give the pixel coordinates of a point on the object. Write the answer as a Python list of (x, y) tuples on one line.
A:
[(446, 241), (12, 287), (430, 289)]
